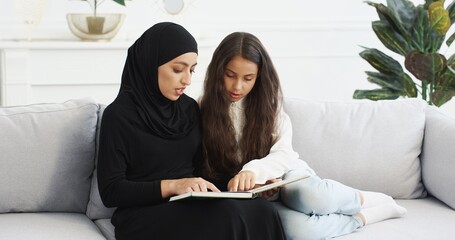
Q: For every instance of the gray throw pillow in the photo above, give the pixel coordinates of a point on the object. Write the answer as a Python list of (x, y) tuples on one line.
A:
[(47, 156), (95, 207)]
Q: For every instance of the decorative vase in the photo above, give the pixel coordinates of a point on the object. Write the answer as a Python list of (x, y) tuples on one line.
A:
[(87, 27)]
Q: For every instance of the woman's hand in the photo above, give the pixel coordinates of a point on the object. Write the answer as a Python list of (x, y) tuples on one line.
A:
[(243, 181), (179, 186), (269, 193)]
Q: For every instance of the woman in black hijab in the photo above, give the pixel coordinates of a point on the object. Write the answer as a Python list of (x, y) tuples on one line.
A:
[(150, 148)]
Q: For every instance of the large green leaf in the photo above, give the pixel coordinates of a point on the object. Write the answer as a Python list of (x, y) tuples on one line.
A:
[(450, 39), (450, 66), (439, 17), (390, 81), (435, 43), (425, 66), (399, 84), (439, 97), (387, 16), (376, 94), (428, 2), (451, 9), (381, 62), (409, 86), (391, 75), (121, 2), (433, 39), (405, 11), (446, 81), (418, 31), (390, 38), (444, 88)]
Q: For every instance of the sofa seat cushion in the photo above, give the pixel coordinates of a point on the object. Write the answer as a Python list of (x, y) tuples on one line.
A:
[(367, 145), (47, 156), (45, 226), (106, 228), (427, 218)]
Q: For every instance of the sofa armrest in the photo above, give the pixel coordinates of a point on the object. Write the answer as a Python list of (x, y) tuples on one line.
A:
[(438, 156)]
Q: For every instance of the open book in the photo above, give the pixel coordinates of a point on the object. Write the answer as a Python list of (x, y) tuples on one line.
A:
[(245, 195)]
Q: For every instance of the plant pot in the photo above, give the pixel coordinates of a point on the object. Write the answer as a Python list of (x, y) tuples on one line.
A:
[(87, 27), (95, 25)]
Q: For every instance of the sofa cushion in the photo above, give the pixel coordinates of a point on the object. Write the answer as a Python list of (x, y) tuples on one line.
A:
[(438, 156), (426, 218), (364, 144), (61, 226), (106, 228), (95, 207), (47, 156)]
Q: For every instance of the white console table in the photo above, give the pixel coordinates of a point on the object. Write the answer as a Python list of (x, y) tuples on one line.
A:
[(55, 71)]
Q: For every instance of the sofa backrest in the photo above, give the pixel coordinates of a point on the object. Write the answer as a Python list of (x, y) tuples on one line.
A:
[(364, 144), (47, 156)]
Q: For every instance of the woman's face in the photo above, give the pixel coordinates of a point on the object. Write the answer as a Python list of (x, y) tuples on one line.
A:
[(239, 77), (175, 75)]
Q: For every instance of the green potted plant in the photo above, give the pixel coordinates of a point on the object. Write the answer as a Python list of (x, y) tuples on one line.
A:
[(96, 23), (95, 26), (94, 4), (416, 33)]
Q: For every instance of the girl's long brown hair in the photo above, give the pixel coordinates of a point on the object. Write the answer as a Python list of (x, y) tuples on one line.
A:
[(261, 108)]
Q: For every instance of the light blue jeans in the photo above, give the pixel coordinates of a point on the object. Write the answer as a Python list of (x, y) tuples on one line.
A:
[(330, 205)]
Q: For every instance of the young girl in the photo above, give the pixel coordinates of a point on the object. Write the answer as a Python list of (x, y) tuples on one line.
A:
[(247, 142), (150, 143)]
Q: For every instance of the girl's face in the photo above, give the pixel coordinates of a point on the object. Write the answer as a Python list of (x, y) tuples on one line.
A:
[(175, 75), (239, 77)]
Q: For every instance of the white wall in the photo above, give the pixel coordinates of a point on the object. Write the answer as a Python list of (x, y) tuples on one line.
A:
[(314, 44)]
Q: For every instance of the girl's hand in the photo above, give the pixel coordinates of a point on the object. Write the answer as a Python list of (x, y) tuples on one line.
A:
[(179, 186), (243, 181), (269, 194)]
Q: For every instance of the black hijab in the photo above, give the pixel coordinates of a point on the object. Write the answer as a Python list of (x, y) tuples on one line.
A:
[(158, 45)]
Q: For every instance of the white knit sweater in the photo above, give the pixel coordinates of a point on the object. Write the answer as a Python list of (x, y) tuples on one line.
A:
[(282, 156)]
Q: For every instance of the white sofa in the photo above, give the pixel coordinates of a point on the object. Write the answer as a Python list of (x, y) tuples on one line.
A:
[(48, 187)]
